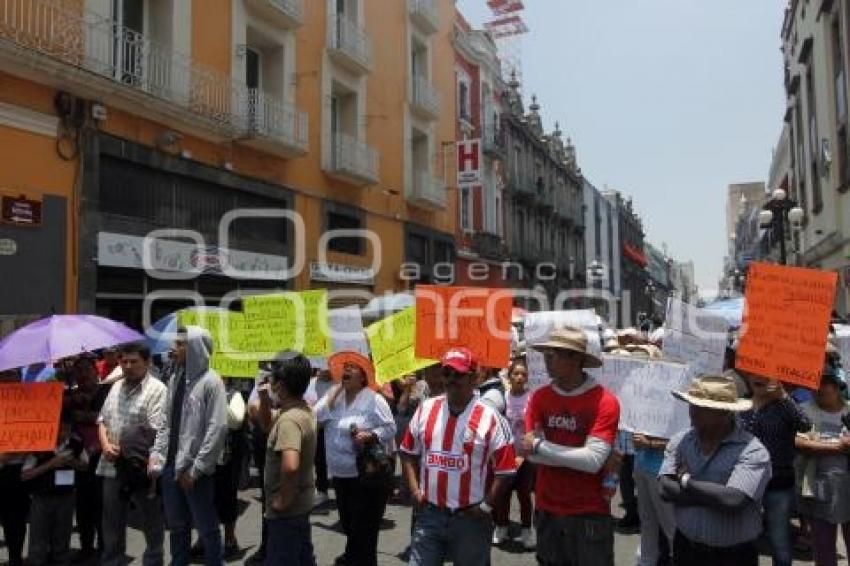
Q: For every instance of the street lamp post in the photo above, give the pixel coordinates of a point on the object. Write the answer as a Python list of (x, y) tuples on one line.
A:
[(776, 212)]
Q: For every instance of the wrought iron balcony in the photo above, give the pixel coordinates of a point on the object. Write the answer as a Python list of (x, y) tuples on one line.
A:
[(428, 192), (48, 42), (425, 14), (424, 99), (272, 125), (492, 142), (352, 160), (349, 45), (488, 245), (288, 14)]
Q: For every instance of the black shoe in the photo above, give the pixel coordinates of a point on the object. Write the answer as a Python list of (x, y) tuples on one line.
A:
[(629, 523), (83, 555), (231, 550), (340, 560), (257, 558)]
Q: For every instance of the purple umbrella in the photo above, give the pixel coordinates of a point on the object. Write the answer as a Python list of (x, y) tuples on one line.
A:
[(60, 336)]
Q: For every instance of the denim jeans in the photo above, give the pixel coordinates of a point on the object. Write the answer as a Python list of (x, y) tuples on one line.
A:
[(574, 540), (115, 510), (183, 510), (438, 536), (290, 542), (778, 504)]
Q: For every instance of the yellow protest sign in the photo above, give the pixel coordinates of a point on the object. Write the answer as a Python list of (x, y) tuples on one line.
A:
[(225, 327), (392, 343), (230, 365), (286, 321)]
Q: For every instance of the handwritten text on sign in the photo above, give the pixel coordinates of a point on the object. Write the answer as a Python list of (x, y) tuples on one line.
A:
[(539, 327), (286, 321), (643, 388), (29, 416), (391, 341), (477, 318), (786, 322)]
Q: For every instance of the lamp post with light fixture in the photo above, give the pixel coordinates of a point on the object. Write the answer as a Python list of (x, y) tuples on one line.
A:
[(775, 213)]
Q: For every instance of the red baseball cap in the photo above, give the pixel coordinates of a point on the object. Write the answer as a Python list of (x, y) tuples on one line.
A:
[(459, 359)]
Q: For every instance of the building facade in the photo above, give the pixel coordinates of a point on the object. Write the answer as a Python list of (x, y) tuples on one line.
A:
[(603, 250), (815, 50), (634, 298), (744, 236), (480, 236), (241, 131), (545, 204)]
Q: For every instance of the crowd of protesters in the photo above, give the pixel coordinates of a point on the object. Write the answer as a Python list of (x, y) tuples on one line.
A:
[(174, 441)]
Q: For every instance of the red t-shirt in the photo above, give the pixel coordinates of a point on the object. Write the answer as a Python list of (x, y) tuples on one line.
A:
[(568, 421)]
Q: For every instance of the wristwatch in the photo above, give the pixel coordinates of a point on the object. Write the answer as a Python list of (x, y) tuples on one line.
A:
[(684, 479), (486, 507)]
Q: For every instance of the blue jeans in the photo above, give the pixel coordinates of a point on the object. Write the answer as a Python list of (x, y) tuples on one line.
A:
[(289, 542), (183, 510), (778, 504), (438, 536)]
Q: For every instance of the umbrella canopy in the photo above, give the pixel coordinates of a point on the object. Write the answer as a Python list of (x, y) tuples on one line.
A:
[(160, 336), (732, 310), (60, 336)]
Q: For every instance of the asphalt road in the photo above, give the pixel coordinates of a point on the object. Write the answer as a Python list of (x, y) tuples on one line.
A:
[(394, 538)]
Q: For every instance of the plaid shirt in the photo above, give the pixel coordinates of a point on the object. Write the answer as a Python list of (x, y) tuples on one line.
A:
[(131, 406)]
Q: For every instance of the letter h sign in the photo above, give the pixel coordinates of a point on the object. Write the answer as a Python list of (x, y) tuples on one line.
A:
[(469, 162)]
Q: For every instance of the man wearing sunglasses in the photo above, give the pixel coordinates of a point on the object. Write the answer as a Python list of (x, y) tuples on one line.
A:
[(453, 443), (574, 423)]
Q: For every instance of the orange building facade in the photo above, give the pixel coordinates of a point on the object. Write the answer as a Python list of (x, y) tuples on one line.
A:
[(244, 137)]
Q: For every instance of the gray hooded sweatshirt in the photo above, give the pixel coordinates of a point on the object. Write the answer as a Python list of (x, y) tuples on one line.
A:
[(203, 422)]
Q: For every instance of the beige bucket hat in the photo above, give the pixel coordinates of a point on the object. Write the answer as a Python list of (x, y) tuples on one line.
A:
[(714, 392), (572, 339)]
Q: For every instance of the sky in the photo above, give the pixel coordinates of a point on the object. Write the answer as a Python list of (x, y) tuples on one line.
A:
[(668, 101)]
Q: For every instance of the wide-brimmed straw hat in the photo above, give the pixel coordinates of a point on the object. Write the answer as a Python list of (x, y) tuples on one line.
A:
[(714, 392), (571, 339), (338, 361)]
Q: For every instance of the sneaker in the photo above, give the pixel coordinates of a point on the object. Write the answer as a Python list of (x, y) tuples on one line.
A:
[(320, 499), (500, 535), (528, 539)]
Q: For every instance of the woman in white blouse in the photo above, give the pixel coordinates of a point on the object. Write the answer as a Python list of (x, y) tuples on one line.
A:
[(353, 415)]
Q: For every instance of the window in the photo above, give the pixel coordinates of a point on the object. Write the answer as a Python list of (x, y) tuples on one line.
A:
[(802, 191), (252, 68), (540, 235), (463, 99), (499, 215), (466, 209), (129, 17), (814, 141), (337, 220)]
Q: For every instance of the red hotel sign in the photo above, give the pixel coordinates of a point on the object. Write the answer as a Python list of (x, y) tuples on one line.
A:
[(469, 162), (21, 211)]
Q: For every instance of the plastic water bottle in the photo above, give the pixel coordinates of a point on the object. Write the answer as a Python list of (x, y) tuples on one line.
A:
[(609, 485)]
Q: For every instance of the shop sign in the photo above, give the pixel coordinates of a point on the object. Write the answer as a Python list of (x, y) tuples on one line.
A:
[(469, 162), (339, 273), (21, 211), (124, 250)]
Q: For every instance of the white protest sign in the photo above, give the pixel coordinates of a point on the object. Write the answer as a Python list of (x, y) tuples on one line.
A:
[(842, 342), (346, 332), (643, 388), (693, 337), (538, 327)]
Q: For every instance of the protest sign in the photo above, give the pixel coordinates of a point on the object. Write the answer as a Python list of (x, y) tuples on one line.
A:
[(225, 327), (392, 343), (643, 388), (694, 337), (234, 364), (842, 342), (473, 317), (539, 325), (29, 416), (286, 321), (347, 334), (786, 322)]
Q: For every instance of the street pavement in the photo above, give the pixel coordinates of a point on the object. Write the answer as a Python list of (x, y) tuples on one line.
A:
[(394, 538)]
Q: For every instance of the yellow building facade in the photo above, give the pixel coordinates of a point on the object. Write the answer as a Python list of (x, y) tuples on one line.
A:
[(123, 119)]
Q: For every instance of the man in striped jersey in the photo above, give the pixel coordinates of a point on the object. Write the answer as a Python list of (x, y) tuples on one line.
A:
[(453, 445)]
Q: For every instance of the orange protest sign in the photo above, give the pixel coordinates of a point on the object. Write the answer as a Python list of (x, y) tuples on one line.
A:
[(29, 416), (477, 318), (785, 324)]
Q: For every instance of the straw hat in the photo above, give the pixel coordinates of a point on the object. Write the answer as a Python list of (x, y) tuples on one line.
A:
[(338, 361), (714, 392), (572, 339)]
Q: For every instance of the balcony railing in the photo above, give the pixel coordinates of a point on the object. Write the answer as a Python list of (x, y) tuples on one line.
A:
[(492, 142), (428, 192), (268, 118), (349, 44), (286, 13), (353, 160), (425, 98), (425, 14)]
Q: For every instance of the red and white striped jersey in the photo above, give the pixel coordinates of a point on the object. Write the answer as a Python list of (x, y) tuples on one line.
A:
[(458, 453)]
